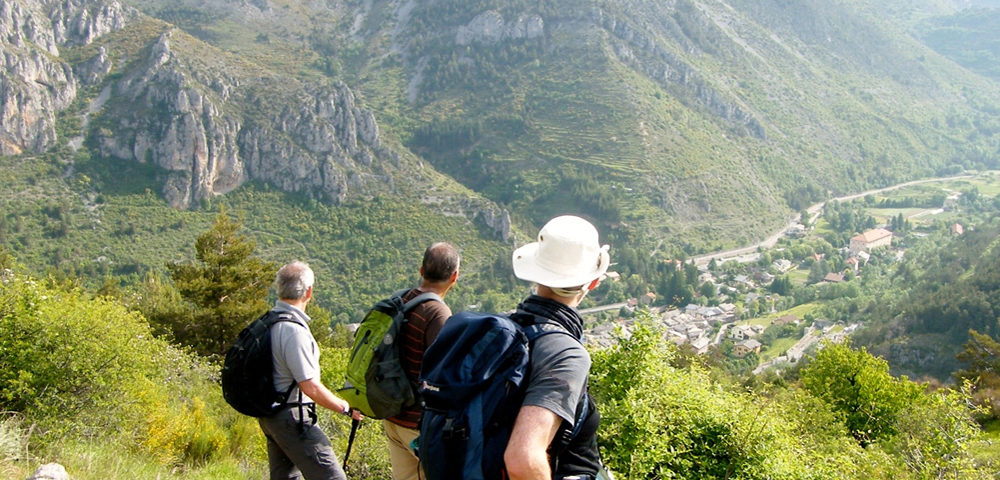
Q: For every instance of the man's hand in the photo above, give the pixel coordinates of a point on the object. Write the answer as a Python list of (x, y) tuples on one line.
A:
[(325, 398)]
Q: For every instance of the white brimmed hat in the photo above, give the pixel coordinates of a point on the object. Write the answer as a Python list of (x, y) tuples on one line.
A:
[(567, 254)]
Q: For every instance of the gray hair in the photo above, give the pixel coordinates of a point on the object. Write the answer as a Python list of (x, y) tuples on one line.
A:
[(441, 260), (293, 280)]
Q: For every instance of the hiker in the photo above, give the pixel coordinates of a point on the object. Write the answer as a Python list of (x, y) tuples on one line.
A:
[(438, 273), (565, 263), (296, 447)]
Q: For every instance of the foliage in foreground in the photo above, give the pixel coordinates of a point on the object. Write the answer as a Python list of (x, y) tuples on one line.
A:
[(663, 420), (91, 388), (86, 369), (86, 384)]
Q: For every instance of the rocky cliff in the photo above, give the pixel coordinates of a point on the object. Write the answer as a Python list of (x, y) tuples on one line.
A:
[(215, 128), (35, 83), (210, 120)]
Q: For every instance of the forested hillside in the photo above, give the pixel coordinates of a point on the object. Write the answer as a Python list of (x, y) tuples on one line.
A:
[(936, 298), (678, 127), (967, 37)]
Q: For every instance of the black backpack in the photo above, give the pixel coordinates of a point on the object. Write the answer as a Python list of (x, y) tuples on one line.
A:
[(248, 371)]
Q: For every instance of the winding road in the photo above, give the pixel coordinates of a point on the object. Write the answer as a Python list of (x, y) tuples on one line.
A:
[(749, 253)]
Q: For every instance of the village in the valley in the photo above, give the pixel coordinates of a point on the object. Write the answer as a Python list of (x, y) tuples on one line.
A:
[(727, 326)]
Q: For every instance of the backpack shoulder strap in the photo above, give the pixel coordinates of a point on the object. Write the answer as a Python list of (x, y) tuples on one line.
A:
[(423, 297), (540, 329), (272, 317), (564, 435)]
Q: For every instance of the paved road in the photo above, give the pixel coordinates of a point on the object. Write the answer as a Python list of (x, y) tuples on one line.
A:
[(602, 308), (749, 253)]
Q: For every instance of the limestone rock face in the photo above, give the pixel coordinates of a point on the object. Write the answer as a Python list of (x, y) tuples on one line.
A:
[(35, 84), (79, 22), (490, 28), (210, 121), (498, 220), (94, 70), (33, 87), (214, 131)]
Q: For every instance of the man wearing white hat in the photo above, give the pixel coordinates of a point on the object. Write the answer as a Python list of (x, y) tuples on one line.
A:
[(565, 263)]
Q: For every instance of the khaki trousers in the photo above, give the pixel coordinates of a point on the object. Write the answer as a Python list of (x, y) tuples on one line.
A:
[(405, 465)]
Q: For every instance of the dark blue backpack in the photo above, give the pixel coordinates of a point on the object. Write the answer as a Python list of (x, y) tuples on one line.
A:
[(472, 380)]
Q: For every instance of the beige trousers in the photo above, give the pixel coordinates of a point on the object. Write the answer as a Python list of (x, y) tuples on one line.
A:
[(405, 465)]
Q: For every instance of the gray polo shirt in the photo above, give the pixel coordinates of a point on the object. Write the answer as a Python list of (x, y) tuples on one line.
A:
[(296, 355)]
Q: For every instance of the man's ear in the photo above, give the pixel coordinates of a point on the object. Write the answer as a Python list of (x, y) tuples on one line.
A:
[(454, 277)]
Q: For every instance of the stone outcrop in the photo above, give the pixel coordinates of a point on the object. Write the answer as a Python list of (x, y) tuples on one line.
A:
[(490, 28), (210, 121), (50, 471), (94, 70), (498, 220), (214, 132), (35, 84)]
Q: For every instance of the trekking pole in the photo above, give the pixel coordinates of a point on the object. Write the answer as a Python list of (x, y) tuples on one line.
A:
[(350, 440)]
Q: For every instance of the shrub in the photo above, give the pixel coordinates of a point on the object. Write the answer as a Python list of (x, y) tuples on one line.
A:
[(83, 367), (66, 357), (659, 421), (858, 386)]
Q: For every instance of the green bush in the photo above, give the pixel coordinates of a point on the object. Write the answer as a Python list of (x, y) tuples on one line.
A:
[(859, 388), (664, 420), (659, 421), (86, 368), (68, 357)]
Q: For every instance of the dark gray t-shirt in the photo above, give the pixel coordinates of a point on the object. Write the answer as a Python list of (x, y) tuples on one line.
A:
[(559, 368)]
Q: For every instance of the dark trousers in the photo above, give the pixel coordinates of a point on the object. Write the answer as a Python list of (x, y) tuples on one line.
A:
[(296, 450)]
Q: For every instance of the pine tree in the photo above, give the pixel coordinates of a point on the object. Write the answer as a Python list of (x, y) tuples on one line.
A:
[(227, 286)]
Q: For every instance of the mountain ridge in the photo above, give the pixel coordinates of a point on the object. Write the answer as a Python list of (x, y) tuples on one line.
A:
[(691, 124)]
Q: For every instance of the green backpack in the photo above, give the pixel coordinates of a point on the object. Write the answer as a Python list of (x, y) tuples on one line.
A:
[(376, 383)]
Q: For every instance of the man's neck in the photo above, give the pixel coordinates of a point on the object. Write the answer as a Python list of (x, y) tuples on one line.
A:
[(439, 288), (546, 292), (299, 304)]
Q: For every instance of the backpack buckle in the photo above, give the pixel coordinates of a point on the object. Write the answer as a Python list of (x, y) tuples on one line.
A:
[(453, 432)]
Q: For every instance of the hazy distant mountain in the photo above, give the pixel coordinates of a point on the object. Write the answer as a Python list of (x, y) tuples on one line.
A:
[(969, 37)]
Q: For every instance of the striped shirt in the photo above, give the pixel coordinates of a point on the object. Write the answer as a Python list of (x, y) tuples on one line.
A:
[(425, 322)]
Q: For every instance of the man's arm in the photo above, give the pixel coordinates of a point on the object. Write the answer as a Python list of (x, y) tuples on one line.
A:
[(325, 398), (525, 457)]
